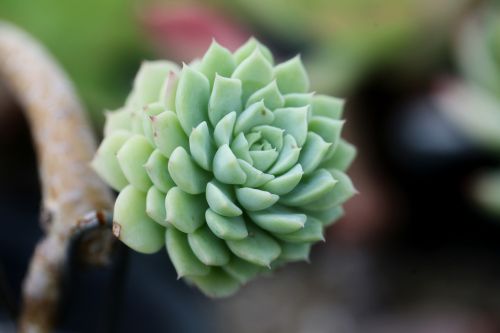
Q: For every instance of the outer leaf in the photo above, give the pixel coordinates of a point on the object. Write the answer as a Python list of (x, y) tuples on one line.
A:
[(209, 249), (286, 182), (279, 220), (220, 199), (181, 255), (157, 170), (327, 106), (223, 133), (253, 199), (185, 211), (150, 79), (217, 60), (155, 206), (255, 177), (313, 152), (226, 167), (201, 146), (293, 121), (258, 248), (225, 98), (105, 162), (310, 189), (256, 114), (168, 133), (186, 173), (131, 224), (117, 120), (270, 94), (217, 283), (254, 72), (249, 47), (191, 100), (342, 157), (312, 232), (228, 228), (132, 157), (291, 76), (241, 270)]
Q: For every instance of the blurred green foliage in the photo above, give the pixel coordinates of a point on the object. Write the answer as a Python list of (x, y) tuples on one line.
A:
[(96, 41), (346, 39), (478, 58)]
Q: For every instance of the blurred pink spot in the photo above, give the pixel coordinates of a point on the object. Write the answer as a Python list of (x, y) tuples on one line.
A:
[(185, 33)]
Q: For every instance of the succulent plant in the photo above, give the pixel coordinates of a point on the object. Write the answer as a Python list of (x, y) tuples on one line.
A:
[(230, 162), (478, 57)]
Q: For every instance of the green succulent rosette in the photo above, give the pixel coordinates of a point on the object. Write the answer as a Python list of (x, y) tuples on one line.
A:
[(230, 162)]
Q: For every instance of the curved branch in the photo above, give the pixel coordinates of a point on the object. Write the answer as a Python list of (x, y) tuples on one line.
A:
[(64, 144)]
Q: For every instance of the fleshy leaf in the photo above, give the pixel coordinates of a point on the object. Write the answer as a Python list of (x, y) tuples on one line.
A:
[(168, 133), (152, 109), (342, 157), (288, 156), (312, 232), (270, 94), (155, 206), (342, 191), (150, 79), (186, 173), (327, 106), (169, 90), (271, 134), (220, 199), (313, 152), (256, 114), (294, 121), (217, 60), (286, 182), (157, 170), (185, 211), (278, 220), (240, 148), (328, 129), (254, 199), (201, 146), (263, 159), (131, 224), (191, 100), (310, 189), (181, 255), (328, 216), (223, 133), (116, 121), (291, 76), (298, 99), (225, 98), (228, 228), (209, 249), (241, 270), (249, 47), (217, 283), (132, 157), (295, 251), (255, 177), (105, 162), (258, 248), (254, 72), (226, 167)]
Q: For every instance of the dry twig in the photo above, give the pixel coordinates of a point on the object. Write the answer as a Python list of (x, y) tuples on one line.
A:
[(64, 145)]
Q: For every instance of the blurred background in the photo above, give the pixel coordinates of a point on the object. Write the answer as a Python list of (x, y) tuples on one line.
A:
[(419, 248)]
